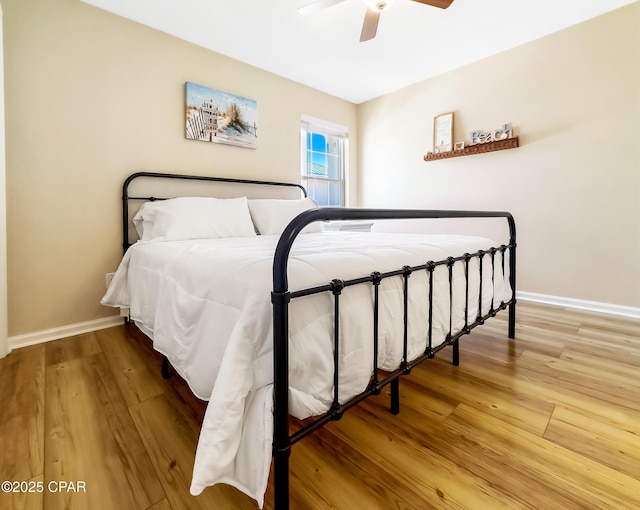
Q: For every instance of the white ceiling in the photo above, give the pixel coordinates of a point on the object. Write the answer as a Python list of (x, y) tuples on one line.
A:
[(414, 41)]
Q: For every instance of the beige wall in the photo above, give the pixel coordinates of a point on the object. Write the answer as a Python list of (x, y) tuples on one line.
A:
[(90, 98), (4, 322), (573, 185)]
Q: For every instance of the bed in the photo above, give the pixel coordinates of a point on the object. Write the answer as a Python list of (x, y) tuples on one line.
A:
[(266, 315)]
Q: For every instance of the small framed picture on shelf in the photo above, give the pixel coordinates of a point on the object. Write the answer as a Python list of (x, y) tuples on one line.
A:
[(458, 146), (443, 133)]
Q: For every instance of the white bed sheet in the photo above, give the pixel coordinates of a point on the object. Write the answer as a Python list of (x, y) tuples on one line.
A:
[(206, 304)]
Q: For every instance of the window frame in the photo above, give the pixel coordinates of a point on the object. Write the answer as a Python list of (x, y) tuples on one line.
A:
[(310, 125)]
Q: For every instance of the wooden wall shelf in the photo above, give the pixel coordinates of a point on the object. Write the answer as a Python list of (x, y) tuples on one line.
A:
[(509, 143)]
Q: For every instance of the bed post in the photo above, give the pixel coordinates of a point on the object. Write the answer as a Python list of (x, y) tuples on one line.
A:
[(281, 440), (455, 358), (280, 298), (395, 396), (512, 276)]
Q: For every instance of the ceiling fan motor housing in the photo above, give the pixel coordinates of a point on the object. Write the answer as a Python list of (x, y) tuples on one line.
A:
[(378, 5)]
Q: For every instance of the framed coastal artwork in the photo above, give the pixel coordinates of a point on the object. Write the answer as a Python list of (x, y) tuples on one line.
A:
[(443, 133), (220, 117)]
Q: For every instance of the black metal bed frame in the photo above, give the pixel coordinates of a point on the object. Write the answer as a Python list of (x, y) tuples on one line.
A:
[(281, 297)]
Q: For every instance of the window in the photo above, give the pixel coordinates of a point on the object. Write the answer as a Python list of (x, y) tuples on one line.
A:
[(324, 161)]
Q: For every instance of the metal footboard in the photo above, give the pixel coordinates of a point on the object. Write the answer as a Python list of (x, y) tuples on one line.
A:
[(281, 298)]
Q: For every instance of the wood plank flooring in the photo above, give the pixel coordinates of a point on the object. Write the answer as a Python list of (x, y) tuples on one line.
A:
[(548, 421)]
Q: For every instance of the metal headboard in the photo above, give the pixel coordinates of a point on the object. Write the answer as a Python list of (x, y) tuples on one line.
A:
[(127, 198)]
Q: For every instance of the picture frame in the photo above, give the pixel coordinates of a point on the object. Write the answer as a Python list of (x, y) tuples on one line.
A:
[(443, 133), (458, 146), (212, 115)]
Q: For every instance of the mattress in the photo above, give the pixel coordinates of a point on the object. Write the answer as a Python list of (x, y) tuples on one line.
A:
[(206, 305)]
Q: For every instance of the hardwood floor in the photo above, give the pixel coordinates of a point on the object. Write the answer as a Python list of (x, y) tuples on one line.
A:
[(550, 420)]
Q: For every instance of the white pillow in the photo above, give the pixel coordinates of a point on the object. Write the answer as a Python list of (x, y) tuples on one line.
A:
[(271, 216), (194, 218)]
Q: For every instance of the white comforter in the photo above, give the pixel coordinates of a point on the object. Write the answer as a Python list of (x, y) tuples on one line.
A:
[(207, 306)]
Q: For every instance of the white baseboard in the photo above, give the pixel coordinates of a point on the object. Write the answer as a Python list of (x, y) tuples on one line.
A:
[(46, 335), (580, 304)]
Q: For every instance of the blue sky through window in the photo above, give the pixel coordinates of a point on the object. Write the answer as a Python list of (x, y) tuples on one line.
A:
[(316, 155), (322, 160)]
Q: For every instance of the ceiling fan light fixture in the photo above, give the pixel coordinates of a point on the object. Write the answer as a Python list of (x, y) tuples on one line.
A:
[(378, 5)]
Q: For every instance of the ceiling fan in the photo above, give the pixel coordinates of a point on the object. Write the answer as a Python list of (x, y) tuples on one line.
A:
[(372, 16)]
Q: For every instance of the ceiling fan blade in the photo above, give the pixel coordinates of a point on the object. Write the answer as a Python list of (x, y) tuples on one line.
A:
[(370, 25), (442, 4), (316, 6)]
